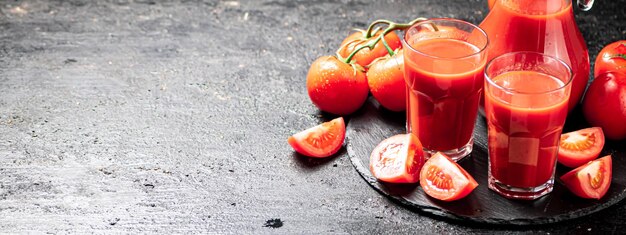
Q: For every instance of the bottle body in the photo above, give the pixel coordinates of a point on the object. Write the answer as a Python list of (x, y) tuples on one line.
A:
[(545, 26)]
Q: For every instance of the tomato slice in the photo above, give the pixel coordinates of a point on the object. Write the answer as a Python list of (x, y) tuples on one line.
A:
[(444, 179), (320, 141), (579, 147), (397, 159), (591, 180)]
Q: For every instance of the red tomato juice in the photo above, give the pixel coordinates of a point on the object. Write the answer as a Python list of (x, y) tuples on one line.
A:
[(443, 91), (524, 129), (545, 26)]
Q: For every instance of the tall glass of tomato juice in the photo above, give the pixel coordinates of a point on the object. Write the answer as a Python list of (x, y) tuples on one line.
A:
[(443, 63), (526, 103)]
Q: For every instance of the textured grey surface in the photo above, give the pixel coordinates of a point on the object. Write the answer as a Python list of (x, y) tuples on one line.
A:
[(172, 116)]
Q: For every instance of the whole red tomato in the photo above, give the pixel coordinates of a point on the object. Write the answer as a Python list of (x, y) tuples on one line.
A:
[(336, 87), (611, 58), (605, 104), (386, 81), (365, 56)]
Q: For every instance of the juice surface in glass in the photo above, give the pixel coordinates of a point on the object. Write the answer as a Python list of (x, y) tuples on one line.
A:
[(525, 129), (443, 92), (545, 26)]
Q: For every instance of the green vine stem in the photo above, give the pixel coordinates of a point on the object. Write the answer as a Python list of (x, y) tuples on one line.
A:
[(392, 26), (370, 30), (389, 50)]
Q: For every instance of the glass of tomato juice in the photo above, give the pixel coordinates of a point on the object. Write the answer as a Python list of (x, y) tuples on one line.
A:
[(444, 61), (526, 103)]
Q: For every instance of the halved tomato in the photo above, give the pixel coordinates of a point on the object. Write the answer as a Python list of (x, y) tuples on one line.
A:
[(397, 159), (320, 141), (444, 179), (591, 180), (579, 147)]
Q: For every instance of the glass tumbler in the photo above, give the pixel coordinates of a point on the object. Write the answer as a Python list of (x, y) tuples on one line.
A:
[(443, 63), (526, 103)]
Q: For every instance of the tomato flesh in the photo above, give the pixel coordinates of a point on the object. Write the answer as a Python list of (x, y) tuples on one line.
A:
[(591, 180), (579, 147), (397, 159), (438, 178), (320, 141), (444, 179)]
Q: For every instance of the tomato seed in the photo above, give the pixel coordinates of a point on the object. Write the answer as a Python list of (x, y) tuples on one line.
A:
[(439, 178)]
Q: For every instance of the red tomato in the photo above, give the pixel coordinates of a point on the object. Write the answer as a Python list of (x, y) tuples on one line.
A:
[(445, 180), (605, 104), (491, 3), (385, 78), (366, 56), (579, 147), (336, 87), (398, 159), (591, 180), (320, 141), (612, 58)]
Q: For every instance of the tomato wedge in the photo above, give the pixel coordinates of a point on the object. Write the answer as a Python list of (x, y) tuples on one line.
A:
[(320, 141), (444, 179), (579, 147), (591, 180), (397, 159)]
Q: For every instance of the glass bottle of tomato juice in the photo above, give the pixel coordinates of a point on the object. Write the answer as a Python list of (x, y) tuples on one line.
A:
[(544, 26)]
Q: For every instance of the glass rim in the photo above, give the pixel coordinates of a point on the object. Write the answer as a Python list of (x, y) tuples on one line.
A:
[(433, 20), (493, 83)]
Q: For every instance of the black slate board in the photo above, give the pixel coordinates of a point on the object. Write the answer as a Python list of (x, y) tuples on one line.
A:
[(372, 124)]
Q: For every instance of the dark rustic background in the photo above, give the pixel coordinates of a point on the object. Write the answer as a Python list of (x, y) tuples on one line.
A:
[(172, 116)]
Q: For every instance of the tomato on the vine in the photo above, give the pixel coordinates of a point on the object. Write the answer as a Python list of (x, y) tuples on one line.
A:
[(612, 58), (491, 3), (385, 78), (336, 87), (365, 56), (604, 104)]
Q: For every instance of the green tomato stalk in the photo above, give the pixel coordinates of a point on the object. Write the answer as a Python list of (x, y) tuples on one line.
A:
[(371, 30)]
